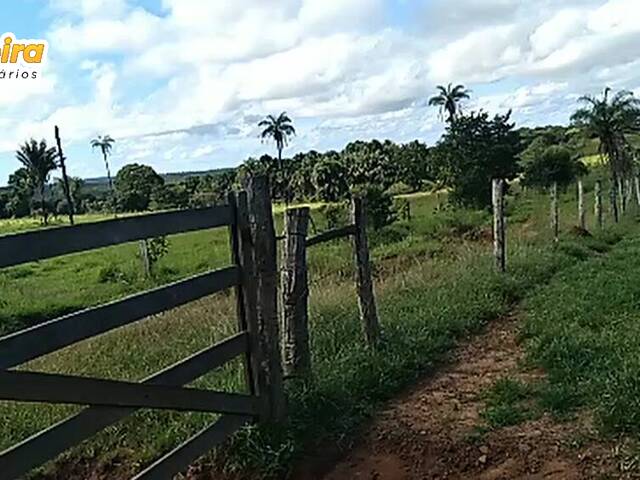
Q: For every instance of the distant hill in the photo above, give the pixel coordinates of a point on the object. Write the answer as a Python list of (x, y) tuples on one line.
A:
[(102, 183)]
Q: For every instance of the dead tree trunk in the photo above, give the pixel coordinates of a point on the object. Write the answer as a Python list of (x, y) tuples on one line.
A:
[(499, 237), (598, 204), (296, 355), (364, 281), (266, 276), (65, 178), (555, 221)]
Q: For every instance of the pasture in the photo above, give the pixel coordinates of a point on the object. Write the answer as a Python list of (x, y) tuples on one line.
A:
[(435, 284)]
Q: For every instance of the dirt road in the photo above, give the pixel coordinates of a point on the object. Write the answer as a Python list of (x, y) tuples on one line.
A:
[(432, 431)]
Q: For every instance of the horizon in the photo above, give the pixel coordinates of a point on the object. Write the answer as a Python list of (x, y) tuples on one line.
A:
[(341, 75)]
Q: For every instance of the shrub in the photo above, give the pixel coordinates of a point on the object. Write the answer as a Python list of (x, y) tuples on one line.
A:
[(379, 204)]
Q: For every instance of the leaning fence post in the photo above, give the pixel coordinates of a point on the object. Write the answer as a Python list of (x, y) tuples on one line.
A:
[(598, 203), (266, 277), (582, 218), (555, 222), (296, 356), (364, 281), (499, 237)]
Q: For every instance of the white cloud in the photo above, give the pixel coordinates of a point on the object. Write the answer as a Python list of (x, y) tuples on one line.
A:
[(201, 73)]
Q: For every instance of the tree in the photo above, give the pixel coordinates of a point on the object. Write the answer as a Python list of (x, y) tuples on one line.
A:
[(370, 163), (302, 165), (105, 144), (610, 119), (329, 178), (20, 194), (4, 205), (449, 99), (474, 150), (279, 130), (134, 185), (414, 166), (39, 161), (63, 190), (554, 165)]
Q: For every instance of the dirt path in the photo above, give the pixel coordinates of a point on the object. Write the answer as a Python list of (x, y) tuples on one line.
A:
[(431, 432)]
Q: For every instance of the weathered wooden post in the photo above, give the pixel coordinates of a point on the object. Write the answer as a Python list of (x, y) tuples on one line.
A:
[(636, 182), (364, 281), (144, 257), (266, 278), (499, 230), (622, 194), (582, 216), (555, 222), (296, 356), (598, 204), (614, 199), (629, 192), (246, 301)]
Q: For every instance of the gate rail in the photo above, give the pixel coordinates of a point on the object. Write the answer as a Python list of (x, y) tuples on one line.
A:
[(251, 228)]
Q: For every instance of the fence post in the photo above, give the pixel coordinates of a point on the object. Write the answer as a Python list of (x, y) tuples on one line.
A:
[(622, 194), (144, 257), (499, 237), (555, 222), (636, 182), (266, 277), (582, 217), (364, 282), (614, 199), (598, 203), (296, 355), (242, 256)]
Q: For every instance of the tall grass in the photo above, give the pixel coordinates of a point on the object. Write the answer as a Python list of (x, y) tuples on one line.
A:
[(435, 284)]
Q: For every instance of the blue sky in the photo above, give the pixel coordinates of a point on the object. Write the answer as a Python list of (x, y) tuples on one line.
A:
[(181, 84)]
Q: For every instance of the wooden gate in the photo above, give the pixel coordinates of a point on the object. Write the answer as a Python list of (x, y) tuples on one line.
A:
[(249, 219)]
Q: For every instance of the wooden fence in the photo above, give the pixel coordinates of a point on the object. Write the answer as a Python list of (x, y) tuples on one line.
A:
[(621, 192), (253, 275), (295, 286)]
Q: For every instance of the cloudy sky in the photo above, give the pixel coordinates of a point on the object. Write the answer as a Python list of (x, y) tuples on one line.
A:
[(181, 84)]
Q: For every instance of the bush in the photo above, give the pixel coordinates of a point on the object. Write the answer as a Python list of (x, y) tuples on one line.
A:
[(379, 205), (335, 215)]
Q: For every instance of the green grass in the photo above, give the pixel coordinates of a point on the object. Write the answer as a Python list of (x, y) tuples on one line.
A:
[(584, 329), (509, 402), (435, 284)]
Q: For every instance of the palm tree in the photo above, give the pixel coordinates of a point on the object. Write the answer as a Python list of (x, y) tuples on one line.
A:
[(610, 119), (105, 144), (279, 129), (448, 99), (39, 161)]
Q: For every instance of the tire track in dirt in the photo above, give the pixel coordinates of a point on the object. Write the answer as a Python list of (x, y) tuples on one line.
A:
[(431, 431)]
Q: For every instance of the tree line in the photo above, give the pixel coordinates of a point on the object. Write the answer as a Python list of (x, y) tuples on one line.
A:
[(475, 148)]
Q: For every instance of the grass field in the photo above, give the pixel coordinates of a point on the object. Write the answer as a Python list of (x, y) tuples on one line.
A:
[(583, 328), (435, 284)]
